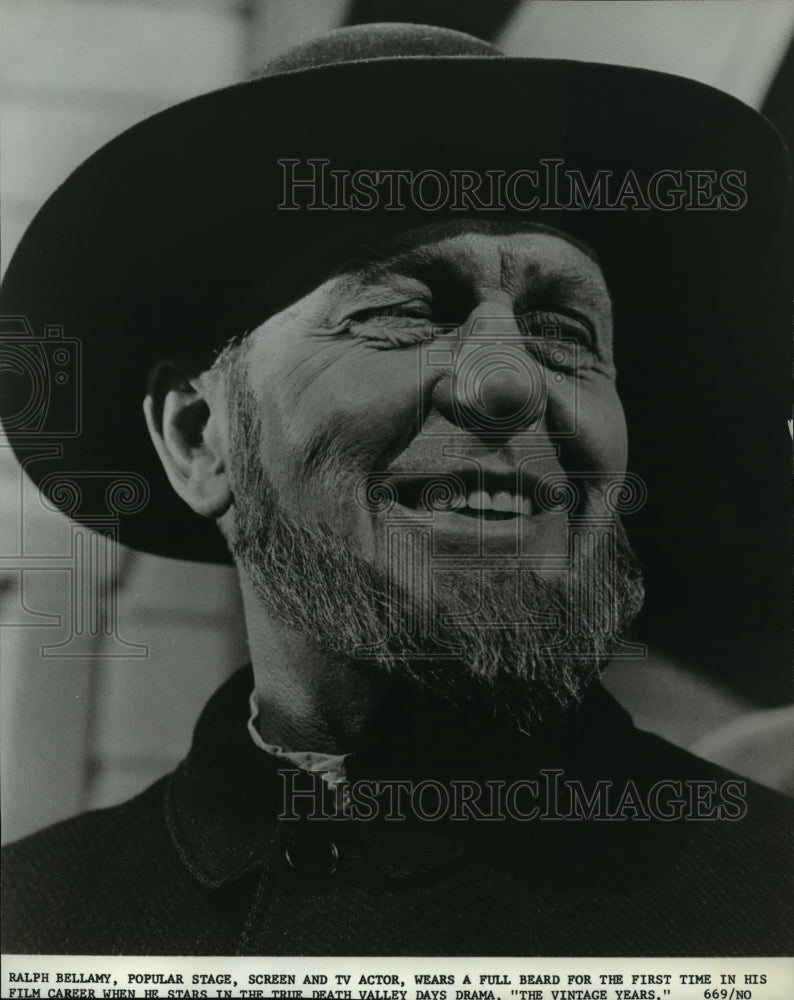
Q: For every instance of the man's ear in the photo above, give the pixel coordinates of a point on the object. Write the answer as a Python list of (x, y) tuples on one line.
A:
[(187, 431)]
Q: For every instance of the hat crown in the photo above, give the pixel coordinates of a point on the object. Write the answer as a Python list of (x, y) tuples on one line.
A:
[(378, 41)]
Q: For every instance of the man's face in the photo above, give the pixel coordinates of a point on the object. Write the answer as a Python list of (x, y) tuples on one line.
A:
[(423, 369), (404, 431)]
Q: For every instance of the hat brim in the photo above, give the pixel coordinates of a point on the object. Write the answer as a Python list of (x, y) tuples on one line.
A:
[(164, 243)]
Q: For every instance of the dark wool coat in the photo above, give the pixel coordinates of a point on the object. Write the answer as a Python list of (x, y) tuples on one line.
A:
[(198, 864)]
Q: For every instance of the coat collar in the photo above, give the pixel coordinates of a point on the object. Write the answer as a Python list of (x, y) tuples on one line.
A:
[(222, 802)]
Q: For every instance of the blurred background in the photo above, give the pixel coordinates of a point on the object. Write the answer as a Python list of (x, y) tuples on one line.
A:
[(91, 715)]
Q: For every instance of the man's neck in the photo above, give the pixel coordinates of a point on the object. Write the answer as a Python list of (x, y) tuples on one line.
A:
[(307, 700)]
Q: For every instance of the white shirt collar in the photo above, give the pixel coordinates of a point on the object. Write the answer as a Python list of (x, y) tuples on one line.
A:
[(332, 766)]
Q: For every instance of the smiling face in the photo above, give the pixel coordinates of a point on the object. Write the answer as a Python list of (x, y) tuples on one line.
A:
[(397, 438), (478, 362)]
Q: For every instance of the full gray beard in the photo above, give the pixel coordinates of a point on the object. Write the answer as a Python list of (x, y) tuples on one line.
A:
[(526, 655)]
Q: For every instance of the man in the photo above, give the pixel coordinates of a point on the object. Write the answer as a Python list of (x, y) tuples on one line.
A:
[(375, 340)]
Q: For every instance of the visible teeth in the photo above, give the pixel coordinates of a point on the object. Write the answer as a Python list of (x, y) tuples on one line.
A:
[(479, 500), (503, 501)]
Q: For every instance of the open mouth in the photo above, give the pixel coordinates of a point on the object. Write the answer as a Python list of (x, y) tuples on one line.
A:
[(481, 495)]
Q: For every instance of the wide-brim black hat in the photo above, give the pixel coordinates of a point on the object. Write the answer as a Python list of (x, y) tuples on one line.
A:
[(171, 239)]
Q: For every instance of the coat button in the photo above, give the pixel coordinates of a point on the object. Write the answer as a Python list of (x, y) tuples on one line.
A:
[(311, 856)]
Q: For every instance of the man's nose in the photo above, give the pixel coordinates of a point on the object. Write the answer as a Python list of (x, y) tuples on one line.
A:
[(494, 385)]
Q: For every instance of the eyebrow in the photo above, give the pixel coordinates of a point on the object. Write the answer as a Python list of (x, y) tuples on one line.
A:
[(564, 282)]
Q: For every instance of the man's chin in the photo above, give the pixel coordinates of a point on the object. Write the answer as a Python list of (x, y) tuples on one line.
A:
[(485, 636), (491, 642)]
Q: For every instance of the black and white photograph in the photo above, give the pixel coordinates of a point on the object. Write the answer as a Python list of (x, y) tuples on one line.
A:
[(396, 542)]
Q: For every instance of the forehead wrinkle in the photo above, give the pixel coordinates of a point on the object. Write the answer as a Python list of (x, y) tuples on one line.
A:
[(513, 271), (418, 262), (412, 249)]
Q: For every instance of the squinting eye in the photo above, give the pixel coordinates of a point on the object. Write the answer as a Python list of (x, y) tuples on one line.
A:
[(560, 326), (400, 324), (414, 310)]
